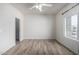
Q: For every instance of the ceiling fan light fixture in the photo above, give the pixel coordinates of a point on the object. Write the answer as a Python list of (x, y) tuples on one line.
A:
[(39, 6)]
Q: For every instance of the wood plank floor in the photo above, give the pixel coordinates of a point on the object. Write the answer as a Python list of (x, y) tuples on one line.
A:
[(38, 47)]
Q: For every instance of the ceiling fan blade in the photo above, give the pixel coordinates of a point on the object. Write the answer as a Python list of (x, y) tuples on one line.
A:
[(48, 5), (32, 7)]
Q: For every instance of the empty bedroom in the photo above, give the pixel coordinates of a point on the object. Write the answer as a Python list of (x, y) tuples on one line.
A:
[(39, 28)]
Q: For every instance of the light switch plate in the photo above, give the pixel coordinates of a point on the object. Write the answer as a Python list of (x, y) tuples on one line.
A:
[(0, 30)]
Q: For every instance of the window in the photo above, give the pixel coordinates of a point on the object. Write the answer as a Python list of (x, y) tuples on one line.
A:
[(71, 26)]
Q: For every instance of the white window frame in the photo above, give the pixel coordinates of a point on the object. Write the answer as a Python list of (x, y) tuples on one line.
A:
[(65, 27)]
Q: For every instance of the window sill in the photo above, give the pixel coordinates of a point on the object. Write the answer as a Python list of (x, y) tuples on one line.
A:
[(72, 38)]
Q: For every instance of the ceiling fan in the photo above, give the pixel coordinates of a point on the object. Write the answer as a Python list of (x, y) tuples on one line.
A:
[(39, 6)]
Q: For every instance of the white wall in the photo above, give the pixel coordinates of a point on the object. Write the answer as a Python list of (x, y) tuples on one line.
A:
[(39, 26), (7, 26), (70, 43)]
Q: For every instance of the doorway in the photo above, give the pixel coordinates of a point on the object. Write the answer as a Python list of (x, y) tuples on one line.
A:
[(17, 30)]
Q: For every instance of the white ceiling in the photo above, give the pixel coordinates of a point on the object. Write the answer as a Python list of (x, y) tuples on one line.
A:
[(24, 8)]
